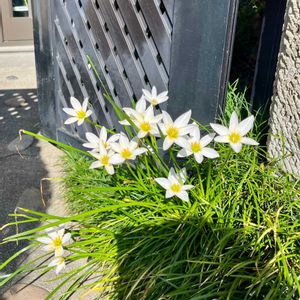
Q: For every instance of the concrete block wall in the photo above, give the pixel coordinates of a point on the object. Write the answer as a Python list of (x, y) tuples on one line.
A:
[(284, 138)]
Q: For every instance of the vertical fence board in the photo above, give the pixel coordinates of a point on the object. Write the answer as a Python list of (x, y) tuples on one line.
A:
[(199, 80), (268, 54), (42, 30)]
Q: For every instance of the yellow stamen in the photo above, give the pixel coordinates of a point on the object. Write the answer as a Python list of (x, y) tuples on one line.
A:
[(154, 101), (105, 160), (235, 137), (172, 133), (196, 147), (145, 126), (57, 242), (175, 187), (81, 114), (126, 153)]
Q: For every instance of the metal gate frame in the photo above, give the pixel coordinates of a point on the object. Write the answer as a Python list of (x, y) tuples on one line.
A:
[(184, 46)]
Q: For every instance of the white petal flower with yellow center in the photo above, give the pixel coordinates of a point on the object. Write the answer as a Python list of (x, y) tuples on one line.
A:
[(145, 121), (127, 150), (55, 240), (95, 142), (197, 146), (140, 109), (174, 185), (155, 98), (59, 263), (106, 159), (78, 113), (176, 131), (235, 134)]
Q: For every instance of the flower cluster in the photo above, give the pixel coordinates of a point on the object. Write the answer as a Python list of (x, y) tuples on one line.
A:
[(118, 149), (55, 241)]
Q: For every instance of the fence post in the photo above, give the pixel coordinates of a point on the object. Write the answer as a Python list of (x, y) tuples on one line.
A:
[(42, 31), (203, 36)]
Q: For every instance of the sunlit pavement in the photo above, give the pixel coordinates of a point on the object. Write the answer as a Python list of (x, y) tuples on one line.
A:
[(22, 163)]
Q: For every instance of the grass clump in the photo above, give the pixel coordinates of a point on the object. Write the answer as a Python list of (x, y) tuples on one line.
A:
[(237, 237)]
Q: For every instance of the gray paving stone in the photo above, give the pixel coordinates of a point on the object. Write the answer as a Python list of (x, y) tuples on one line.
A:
[(20, 145), (31, 199), (15, 102), (23, 292)]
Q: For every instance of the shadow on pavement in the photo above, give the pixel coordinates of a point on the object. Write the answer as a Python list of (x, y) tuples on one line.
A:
[(20, 170)]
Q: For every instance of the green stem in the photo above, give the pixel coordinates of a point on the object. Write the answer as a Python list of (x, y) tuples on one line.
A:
[(99, 126)]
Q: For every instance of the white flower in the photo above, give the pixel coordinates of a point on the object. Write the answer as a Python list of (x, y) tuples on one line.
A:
[(143, 119), (176, 131), (95, 142), (198, 147), (55, 240), (155, 99), (127, 150), (106, 158), (78, 113), (59, 263), (174, 185), (140, 109), (235, 134)]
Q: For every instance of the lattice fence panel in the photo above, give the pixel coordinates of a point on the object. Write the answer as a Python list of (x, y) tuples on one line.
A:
[(128, 40), (182, 46)]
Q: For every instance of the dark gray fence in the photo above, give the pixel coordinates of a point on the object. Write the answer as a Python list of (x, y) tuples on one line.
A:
[(183, 46)]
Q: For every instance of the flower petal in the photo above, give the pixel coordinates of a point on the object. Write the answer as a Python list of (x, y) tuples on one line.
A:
[(234, 121), (139, 151), (59, 268), (164, 182), (110, 169), (209, 152), (141, 105), (187, 187), (222, 139), (249, 141), (219, 129), (103, 134), (44, 240), (207, 139), (71, 120), (92, 138), (237, 147), (169, 194), (80, 122), (246, 125), (183, 120), (166, 118), (116, 159), (59, 251), (195, 132), (70, 111), (182, 142), (183, 195), (88, 113), (85, 104), (167, 143), (199, 157), (66, 237), (75, 103), (184, 153), (96, 164)]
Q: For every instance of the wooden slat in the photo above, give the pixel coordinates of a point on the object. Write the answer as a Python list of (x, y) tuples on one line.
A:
[(158, 28), (143, 46), (114, 67), (81, 63), (124, 48), (169, 5)]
